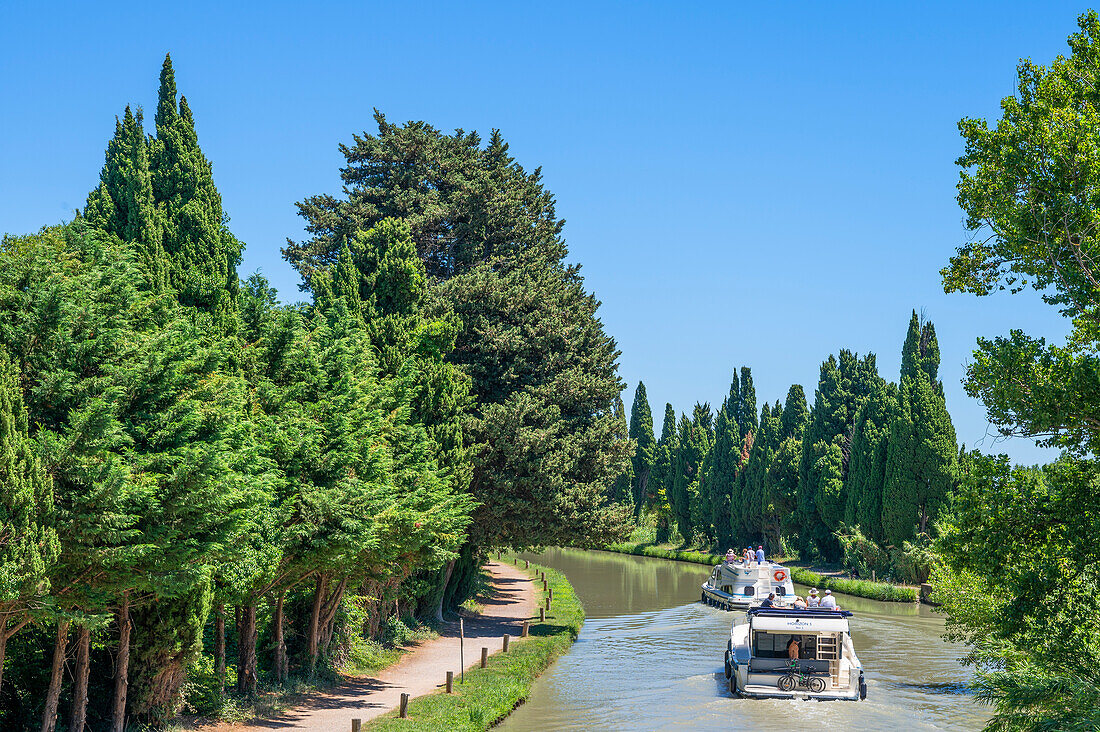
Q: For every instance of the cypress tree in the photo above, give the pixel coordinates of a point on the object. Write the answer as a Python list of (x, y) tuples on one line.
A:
[(622, 490), (724, 462), (779, 515), (922, 452), (123, 203), (645, 448), (867, 466), (748, 402), (202, 254), (661, 476), (695, 460), (30, 548)]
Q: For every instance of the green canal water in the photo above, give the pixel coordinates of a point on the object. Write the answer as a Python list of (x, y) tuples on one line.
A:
[(650, 658)]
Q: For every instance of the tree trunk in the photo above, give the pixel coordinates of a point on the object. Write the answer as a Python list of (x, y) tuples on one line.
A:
[(122, 666), (79, 710), (246, 670), (315, 621), (443, 590), (219, 648), (280, 642), (53, 693), (328, 615)]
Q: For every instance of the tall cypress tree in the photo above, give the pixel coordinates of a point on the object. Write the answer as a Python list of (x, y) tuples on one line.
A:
[(661, 476), (123, 203), (922, 453), (202, 254), (867, 466), (748, 402), (622, 490), (779, 515), (724, 462), (695, 460), (645, 447)]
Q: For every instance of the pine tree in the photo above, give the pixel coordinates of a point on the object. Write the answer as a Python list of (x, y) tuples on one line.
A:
[(645, 448), (779, 513)]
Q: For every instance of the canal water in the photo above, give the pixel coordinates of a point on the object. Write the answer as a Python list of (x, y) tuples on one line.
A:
[(650, 658)]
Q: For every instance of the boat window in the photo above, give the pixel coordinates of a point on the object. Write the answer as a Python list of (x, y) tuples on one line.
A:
[(749, 591), (780, 590), (774, 645)]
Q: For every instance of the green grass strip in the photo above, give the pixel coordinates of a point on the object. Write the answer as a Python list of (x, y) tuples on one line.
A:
[(490, 694), (881, 591)]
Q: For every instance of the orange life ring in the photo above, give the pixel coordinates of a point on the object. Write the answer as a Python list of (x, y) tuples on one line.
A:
[(779, 575)]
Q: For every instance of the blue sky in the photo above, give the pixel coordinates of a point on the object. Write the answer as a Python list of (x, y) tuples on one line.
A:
[(758, 186)]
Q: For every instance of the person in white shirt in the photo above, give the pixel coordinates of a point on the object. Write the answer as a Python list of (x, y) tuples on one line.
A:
[(828, 601), (812, 599)]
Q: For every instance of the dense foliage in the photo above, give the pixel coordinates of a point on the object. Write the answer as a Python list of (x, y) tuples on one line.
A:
[(179, 452), (861, 476), (1019, 580)]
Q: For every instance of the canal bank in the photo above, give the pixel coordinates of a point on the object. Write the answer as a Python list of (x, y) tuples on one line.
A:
[(881, 591), (650, 658), (488, 694)]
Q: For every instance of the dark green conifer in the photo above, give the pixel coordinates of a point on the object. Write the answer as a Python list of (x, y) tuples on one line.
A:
[(661, 476), (748, 402), (622, 490), (645, 447)]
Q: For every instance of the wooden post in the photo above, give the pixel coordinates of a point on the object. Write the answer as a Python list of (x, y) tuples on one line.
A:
[(551, 595), (873, 579), (506, 637), (548, 604), (526, 628), (450, 682), (498, 555), (542, 615), (526, 564), (356, 725), (544, 585), (404, 711), (484, 656)]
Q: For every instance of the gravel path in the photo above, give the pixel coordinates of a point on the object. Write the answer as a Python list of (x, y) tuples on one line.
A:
[(421, 671)]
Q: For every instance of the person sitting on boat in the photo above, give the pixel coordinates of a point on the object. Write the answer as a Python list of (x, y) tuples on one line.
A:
[(799, 603), (760, 554), (829, 602), (769, 601), (794, 648), (812, 599)]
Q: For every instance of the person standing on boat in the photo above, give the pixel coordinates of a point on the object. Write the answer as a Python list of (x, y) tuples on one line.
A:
[(828, 602), (760, 555), (730, 556)]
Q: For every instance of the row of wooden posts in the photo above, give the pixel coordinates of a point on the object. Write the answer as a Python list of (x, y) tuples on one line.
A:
[(403, 709)]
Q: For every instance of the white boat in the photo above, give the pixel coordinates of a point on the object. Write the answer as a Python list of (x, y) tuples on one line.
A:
[(745, 584), (758, 663)]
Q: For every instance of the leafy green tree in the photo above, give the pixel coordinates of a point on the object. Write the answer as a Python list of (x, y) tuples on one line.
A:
[(28, 538), (645, 447)]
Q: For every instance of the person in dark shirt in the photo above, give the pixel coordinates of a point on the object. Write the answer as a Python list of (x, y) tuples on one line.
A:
[(769, 601)]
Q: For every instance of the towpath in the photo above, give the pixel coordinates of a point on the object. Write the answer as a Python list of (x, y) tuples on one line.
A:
[(420, 671)]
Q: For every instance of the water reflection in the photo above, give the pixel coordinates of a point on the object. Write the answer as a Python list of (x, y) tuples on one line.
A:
[(650, 658)]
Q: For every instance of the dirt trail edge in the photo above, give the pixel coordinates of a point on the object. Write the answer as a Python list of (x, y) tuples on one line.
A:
[(421, 671)]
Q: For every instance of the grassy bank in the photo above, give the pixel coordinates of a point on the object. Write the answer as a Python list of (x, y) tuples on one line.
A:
[(882, 591), (490, 694)]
